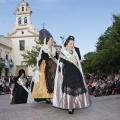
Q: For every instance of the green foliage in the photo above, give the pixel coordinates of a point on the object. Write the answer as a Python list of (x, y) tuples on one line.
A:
[(30, 56), (107, 54)]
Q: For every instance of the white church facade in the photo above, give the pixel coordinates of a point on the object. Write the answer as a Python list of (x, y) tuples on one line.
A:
[(21, 38)]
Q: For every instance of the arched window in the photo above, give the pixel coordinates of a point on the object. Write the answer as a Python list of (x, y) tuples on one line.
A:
[(22, 8), (25, 20), (6, 57), (19, 21)]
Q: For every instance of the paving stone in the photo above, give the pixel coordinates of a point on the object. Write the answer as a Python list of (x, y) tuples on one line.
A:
[(102, 108)]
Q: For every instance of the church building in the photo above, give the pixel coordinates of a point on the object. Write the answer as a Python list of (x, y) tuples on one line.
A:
[(22, 36)]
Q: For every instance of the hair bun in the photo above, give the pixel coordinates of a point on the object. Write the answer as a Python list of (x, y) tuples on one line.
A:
[(70, 38)]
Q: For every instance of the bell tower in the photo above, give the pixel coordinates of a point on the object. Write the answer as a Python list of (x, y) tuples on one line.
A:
[(23, 14), (23, 20)]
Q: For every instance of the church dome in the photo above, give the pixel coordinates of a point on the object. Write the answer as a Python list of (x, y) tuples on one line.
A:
[(44, 33)]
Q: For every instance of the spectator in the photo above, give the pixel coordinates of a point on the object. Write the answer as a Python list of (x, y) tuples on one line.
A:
[(118, 86), (1, 88), (7, 88)]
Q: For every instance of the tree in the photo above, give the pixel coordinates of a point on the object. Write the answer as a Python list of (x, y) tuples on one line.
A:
[(107, 54), (110, 42), (30, 56)]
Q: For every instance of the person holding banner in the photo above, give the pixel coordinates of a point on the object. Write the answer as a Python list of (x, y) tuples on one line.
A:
[(47, 63), (70, 90)]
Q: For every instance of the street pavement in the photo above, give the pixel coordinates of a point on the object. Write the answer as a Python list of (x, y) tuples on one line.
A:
[(102, 108)]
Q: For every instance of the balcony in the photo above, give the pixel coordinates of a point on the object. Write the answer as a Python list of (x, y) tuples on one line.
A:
[(6, 63)]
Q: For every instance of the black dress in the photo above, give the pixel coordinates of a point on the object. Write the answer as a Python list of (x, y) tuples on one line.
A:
[(70, 90), (72, 80), (21, 95), (44, 87)]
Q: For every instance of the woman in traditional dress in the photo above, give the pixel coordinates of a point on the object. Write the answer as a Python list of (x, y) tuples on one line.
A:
[(20, 90), (70, 90), (47, 63)]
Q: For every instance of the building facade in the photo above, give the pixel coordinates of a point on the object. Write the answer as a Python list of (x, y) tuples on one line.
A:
[(6, 63), (22, 37)]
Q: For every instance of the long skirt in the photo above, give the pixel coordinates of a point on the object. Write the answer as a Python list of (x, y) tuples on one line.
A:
[(66, 101), (40, 89)]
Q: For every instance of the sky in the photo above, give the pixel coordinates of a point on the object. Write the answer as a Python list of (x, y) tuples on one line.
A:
[(86, 20)]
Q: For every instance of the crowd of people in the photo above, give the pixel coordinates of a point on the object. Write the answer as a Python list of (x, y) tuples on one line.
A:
[(103, 85), (5, 84)]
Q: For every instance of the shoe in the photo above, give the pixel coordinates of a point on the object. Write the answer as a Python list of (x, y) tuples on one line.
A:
[(71, 111), (48, 101)]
